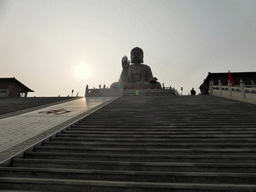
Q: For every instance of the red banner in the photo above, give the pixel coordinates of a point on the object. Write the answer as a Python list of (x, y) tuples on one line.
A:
[(231, 78)]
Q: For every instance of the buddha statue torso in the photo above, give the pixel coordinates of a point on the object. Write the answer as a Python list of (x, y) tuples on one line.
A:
[(136, 73)]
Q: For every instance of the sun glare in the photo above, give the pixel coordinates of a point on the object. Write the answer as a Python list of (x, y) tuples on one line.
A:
[(83, 70)]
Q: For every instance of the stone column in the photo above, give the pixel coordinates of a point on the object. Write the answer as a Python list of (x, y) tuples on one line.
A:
[(253, 85), (211, 84), (242, 87), (121, 90), (86, 90), (230, 88), (220, 86)]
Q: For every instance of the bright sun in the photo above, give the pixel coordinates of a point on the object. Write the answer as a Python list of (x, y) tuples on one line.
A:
[(83, 71)]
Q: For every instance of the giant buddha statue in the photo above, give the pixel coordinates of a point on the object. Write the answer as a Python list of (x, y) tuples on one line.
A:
[(137, 75)]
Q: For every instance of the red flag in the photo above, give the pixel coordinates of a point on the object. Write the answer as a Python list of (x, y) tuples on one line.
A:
[(231, 78)]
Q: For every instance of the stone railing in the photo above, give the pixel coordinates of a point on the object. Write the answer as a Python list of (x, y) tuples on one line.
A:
[(242, 92), (150, 92), (103, 92)]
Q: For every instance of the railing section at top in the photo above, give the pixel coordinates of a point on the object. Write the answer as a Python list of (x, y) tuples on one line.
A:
[(242, 92), (105, 92)]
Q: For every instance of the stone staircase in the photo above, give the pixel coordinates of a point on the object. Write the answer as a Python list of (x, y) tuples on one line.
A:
[(157, 143)]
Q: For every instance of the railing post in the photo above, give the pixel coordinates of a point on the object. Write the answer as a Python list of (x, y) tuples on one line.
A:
[(220, 86), (253, 85), (122, 90), (230, 88), (211, 84), (86, 90), (242, 87)]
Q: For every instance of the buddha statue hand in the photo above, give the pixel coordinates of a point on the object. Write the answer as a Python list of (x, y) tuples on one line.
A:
[(125, 62)]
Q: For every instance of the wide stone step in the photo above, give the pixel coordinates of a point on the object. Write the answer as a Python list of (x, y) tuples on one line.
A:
[(151, 145), (97, 185), (155, 151), (156, 113), (153, 140), (165, 116), (164, 136), (131, 176), (158, 129), (164, 123), (181, 120), (221, 158), (149, 133), (135, 166), (130, 123), (171, 125)]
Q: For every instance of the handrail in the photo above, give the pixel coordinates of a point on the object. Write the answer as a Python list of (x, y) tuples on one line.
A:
[(242, 92)]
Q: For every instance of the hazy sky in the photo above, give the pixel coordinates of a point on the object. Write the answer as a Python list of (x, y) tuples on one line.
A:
[(54, 46)]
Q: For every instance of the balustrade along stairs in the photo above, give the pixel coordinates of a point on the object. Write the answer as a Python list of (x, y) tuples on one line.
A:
[(146, 143)]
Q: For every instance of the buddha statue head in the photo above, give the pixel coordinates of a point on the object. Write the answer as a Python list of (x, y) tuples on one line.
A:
[(136, 55)]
